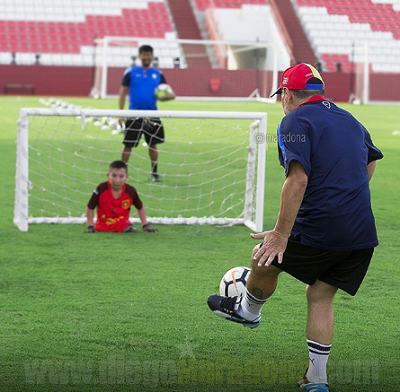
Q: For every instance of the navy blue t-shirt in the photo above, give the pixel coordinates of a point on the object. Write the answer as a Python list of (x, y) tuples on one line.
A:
[(334, 149), (142, 84)]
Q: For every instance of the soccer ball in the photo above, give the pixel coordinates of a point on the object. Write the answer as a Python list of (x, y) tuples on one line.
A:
[(163, 90), (233, 283)]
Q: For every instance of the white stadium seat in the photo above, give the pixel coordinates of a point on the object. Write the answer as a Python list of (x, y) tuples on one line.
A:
[(332, 34)]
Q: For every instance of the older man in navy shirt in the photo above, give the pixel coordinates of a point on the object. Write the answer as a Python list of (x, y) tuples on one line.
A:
[(325, 232)]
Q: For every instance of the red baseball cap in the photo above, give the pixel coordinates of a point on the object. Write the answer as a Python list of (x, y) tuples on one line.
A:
[(297, 77)]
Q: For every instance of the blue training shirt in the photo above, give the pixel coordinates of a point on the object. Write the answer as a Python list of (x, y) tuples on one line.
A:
[(142, 84), (334, 149)]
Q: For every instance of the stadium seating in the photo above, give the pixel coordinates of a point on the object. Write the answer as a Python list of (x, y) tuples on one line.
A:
[(340, 29), (204, 4), (63, 30), (233, 24)]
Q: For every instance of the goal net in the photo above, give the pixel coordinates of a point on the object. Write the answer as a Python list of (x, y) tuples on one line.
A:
[(212, 166), (193, 68)]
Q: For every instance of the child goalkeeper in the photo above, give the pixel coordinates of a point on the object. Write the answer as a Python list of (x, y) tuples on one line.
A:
[(113, 200)]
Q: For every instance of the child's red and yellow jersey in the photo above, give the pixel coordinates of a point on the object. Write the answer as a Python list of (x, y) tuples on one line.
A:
[(113, 214)]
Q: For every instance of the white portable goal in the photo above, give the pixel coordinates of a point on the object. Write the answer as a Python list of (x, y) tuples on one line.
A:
[(212, 166), (195, 69)]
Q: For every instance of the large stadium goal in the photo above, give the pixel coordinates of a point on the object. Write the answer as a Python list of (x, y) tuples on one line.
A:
[(212, 166), (196, 69)]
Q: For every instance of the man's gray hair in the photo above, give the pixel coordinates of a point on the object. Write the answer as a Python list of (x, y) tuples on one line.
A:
[(304, 94)]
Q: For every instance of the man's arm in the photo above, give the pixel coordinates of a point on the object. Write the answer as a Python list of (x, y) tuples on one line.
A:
[(371, 169), (123, 92), (275, 241), (90, 220), (291, 197)]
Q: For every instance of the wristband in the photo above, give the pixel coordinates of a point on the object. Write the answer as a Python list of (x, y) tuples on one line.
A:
[(281, 235)]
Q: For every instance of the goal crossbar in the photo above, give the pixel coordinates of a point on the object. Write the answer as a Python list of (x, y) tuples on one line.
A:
[(140, 113), (255, 164)]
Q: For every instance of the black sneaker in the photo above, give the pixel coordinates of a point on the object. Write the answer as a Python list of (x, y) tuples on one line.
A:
[(155, 178), (226, 307)]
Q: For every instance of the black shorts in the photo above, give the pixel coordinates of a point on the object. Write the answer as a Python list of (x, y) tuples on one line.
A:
[(343, 269), (151, 128)]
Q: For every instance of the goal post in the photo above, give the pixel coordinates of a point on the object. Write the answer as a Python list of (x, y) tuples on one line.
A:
[(22, 174), (196, 69), (360, 73), (212, 165)]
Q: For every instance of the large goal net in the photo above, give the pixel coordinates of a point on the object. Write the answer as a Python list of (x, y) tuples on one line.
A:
[(194, 68), (212, 166)]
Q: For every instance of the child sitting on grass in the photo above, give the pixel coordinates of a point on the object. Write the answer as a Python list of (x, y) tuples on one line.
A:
[(113, 200)]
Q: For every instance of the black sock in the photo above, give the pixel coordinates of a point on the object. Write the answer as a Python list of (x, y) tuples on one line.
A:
[(154, 169)]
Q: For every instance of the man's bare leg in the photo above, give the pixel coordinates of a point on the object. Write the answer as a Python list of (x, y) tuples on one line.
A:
[(153, 152), (262, 280), (126, 154), (319, 329), (320, 312), (261, 285)]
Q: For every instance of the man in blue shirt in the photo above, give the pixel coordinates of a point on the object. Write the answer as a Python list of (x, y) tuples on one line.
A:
[(141, 83), (325, 232)]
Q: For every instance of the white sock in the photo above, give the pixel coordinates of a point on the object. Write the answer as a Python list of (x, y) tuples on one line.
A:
[(319, 354), (250, 306)]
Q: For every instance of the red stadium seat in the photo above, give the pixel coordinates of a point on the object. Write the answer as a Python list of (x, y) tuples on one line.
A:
[(204, 4), (26, 36)]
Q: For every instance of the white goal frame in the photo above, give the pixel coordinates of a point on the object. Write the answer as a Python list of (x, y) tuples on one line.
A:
[(252, 217), (101, 66)]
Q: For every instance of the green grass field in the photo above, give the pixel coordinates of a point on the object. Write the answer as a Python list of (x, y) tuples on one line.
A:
[(128, 313)]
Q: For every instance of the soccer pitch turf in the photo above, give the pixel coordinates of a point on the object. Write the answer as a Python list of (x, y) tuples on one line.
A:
[(128, 313)]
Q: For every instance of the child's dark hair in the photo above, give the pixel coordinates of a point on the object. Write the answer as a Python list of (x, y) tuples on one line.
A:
[(145, 48), (119, 165)]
